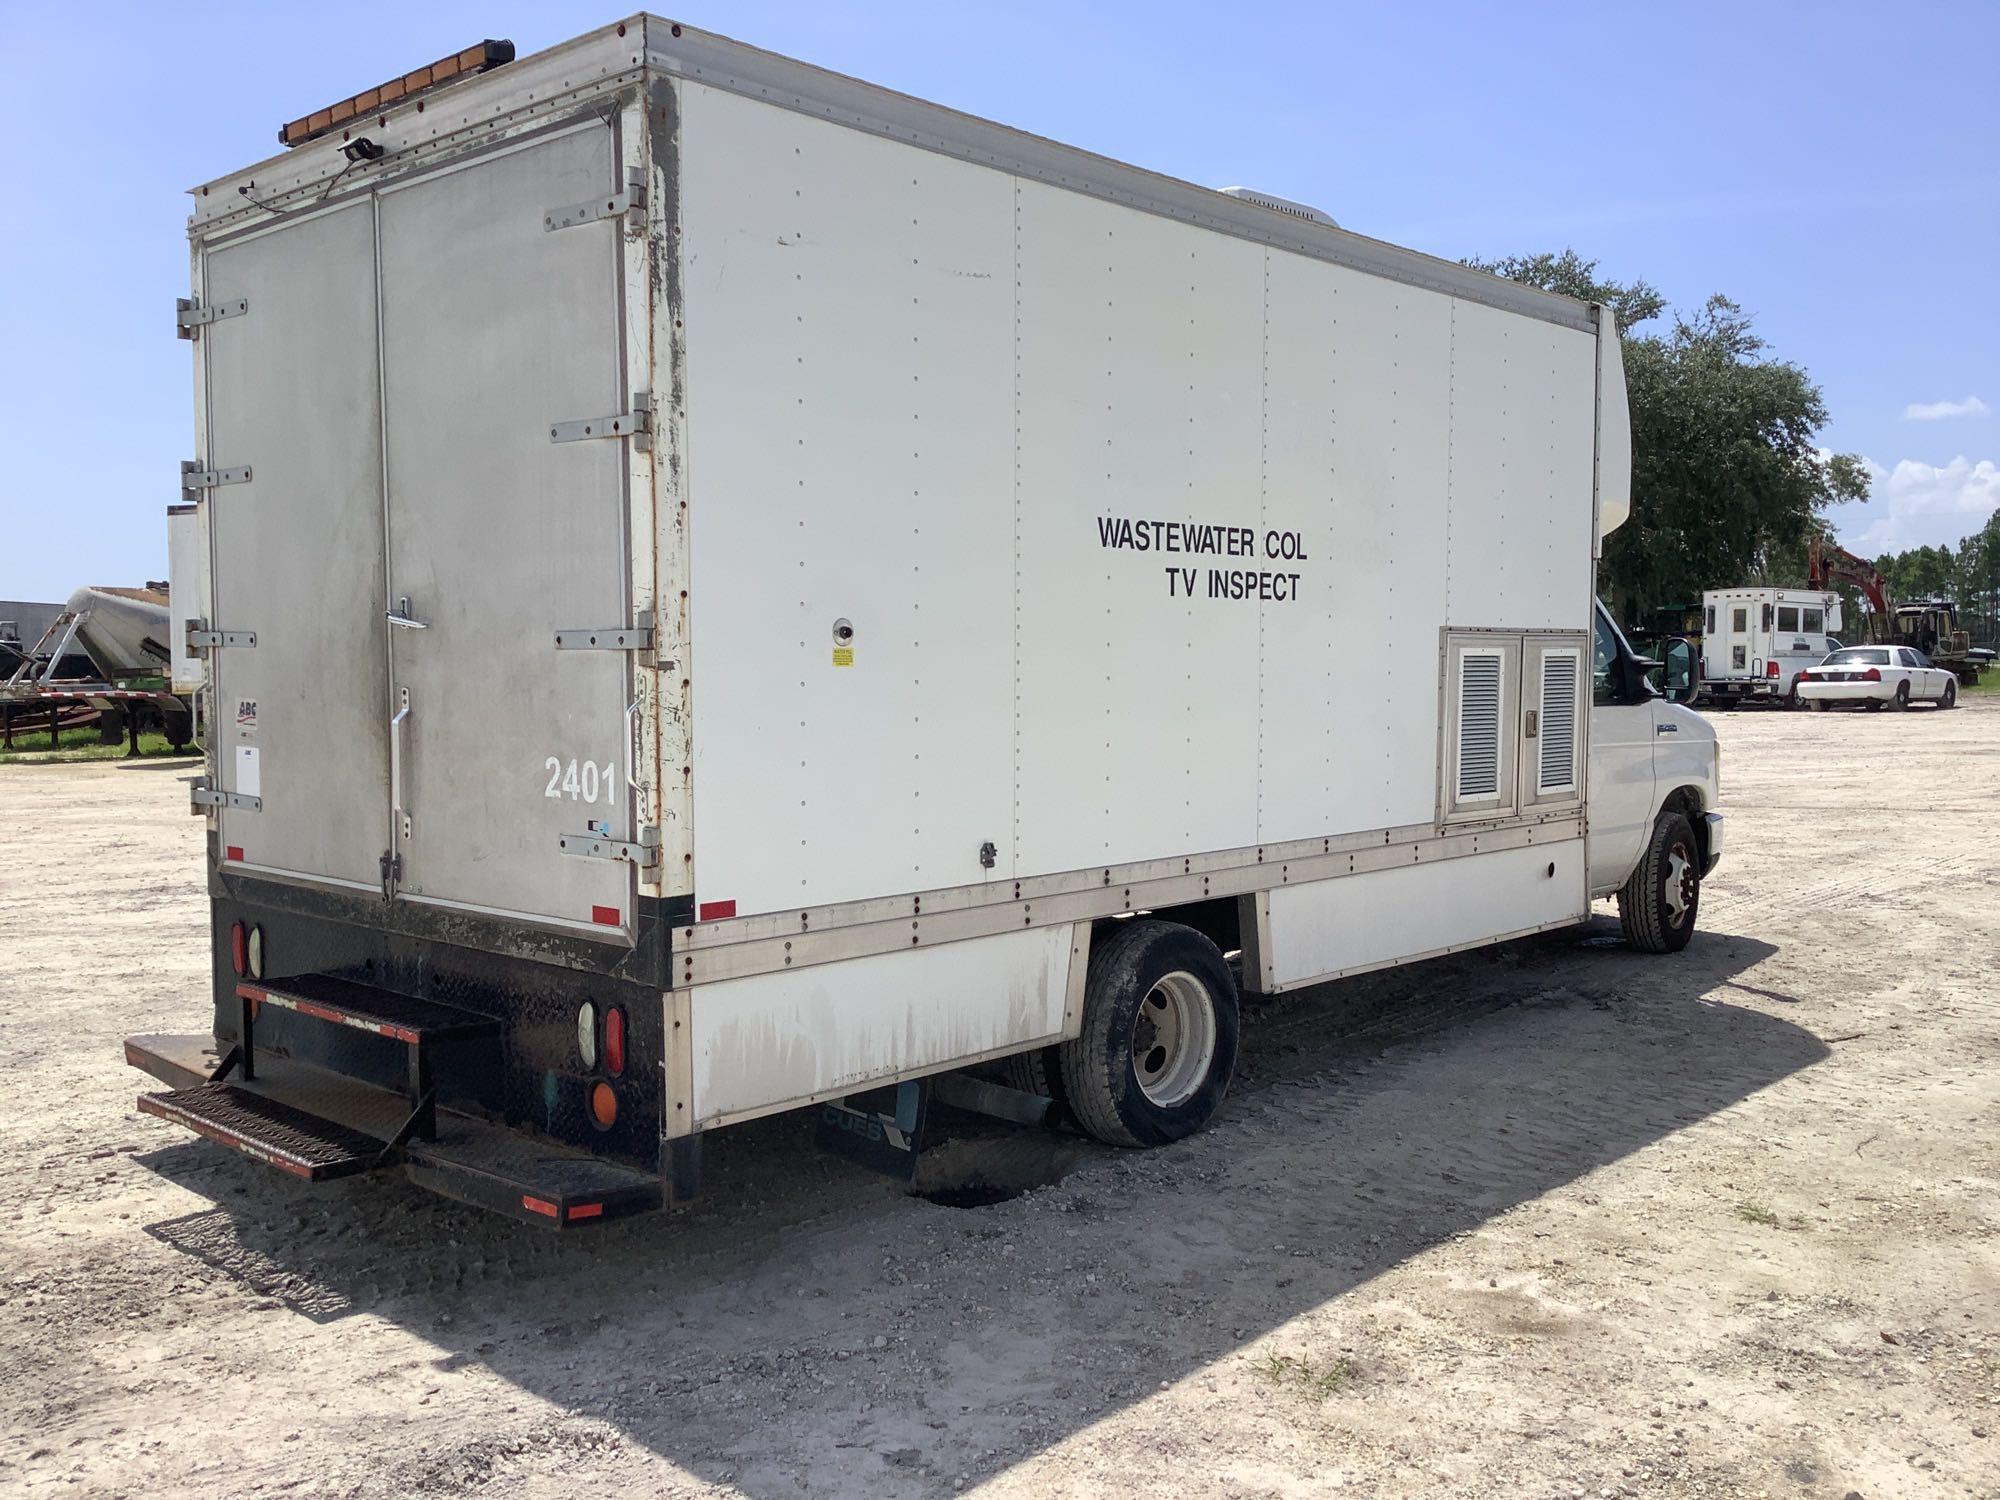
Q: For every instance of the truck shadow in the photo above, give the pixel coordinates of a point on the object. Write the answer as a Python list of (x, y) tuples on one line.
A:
[(808, 1326)]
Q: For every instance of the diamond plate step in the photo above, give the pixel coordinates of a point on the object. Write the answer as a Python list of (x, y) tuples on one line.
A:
[(344, 1002), (305, 1145)]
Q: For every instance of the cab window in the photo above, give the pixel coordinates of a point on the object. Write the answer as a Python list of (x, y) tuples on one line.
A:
[(1604, 655)]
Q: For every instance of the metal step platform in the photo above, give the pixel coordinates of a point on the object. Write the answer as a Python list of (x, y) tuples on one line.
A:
[(269, 1130), (345, 1126), (343, 1002)]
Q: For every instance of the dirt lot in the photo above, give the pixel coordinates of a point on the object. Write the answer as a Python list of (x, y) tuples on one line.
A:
[(1555, 1221)]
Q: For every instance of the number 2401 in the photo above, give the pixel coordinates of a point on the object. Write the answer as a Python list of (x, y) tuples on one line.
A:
[(581, 781)]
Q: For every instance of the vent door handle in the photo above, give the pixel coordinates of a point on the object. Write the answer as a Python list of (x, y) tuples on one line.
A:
[(1533, 723)]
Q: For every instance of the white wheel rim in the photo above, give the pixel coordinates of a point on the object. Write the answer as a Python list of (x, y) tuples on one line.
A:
[(1680, 885), (1173, 1040)]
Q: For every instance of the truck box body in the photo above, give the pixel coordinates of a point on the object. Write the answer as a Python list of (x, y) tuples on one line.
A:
[(1756, 641), (785, 559)]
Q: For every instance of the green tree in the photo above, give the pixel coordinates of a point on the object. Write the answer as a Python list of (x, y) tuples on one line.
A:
[(1727, 481)]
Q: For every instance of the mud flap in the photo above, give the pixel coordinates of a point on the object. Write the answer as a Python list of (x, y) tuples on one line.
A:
[(881, 1129)]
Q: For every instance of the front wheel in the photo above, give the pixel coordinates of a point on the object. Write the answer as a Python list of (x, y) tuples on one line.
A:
[(1159, 1035), (1950, 698), (1657, 906)]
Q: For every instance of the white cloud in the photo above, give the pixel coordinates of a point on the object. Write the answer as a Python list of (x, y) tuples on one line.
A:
[(1932, 411), (1919, 505)]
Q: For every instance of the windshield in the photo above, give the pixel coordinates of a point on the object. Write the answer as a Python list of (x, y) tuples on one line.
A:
[(1857, 656)]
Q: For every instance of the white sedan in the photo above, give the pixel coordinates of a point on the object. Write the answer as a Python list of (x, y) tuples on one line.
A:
[(1892, 676)]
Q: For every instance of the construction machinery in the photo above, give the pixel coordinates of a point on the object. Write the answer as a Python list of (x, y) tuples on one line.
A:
[(1930, 626), (119, 635)]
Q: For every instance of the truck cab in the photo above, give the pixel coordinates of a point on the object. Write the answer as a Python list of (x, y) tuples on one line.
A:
[(1654, 783)]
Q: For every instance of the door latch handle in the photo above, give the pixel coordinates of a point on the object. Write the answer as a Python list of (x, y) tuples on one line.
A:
[(632, 744), (1666, 729), (1533, 723), (400, 615), (396, 723)]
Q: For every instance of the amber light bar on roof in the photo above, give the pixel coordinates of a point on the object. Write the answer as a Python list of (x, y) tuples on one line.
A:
[(474, 59)]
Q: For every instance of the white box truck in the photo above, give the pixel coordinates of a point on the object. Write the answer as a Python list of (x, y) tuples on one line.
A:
[(723, 588), (1756, 641)]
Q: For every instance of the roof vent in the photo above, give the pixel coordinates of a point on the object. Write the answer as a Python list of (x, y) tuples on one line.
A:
[(1282, 206)]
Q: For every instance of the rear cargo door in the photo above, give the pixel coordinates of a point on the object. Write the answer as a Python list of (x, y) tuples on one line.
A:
[(496, 330), (296, 539)]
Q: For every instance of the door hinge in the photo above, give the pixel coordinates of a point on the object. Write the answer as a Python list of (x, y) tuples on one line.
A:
[(200, 638), (636, 424), (191, 316), (637, 636), (644, 852), (392, 872), (201, 794), (631, 203), (195, 479)]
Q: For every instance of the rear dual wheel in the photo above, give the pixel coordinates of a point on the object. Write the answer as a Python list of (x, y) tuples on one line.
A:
[(1158, 1042)]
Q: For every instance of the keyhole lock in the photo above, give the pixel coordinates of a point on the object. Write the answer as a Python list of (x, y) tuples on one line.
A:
[(843, 632)]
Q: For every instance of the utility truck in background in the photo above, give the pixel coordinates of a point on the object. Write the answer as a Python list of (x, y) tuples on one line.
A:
[(1756, 641), (941, 581)]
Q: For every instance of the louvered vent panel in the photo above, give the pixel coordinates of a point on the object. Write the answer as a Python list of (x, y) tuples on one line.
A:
[(1478, 727), (1558, 728)]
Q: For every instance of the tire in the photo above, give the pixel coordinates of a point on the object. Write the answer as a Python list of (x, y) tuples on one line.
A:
[(1160, 1029), (1792, 699), (1668, 874), (1950, 696), (1036, 1072), (1902, 699)]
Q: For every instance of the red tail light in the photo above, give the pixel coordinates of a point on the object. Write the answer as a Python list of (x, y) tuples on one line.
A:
[(1770, 669), (614, 1041), (239, 949), (1873, 674)]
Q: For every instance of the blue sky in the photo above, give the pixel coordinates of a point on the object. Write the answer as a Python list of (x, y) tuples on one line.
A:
[(1834, 167)]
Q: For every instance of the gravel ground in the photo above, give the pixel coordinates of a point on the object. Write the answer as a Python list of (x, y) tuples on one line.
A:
[(1552, 1220)]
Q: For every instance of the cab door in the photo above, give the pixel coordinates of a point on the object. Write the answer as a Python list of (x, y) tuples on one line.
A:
[(1621, 766)]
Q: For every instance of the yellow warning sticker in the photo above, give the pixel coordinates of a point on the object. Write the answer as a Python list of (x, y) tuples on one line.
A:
[(843, 656)]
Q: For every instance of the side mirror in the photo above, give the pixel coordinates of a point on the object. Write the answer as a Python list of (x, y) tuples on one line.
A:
[(1679, 675), (1630, 676)]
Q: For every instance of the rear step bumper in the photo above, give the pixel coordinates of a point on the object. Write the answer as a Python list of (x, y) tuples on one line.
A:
[(268, 1129), (315, 1126)]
